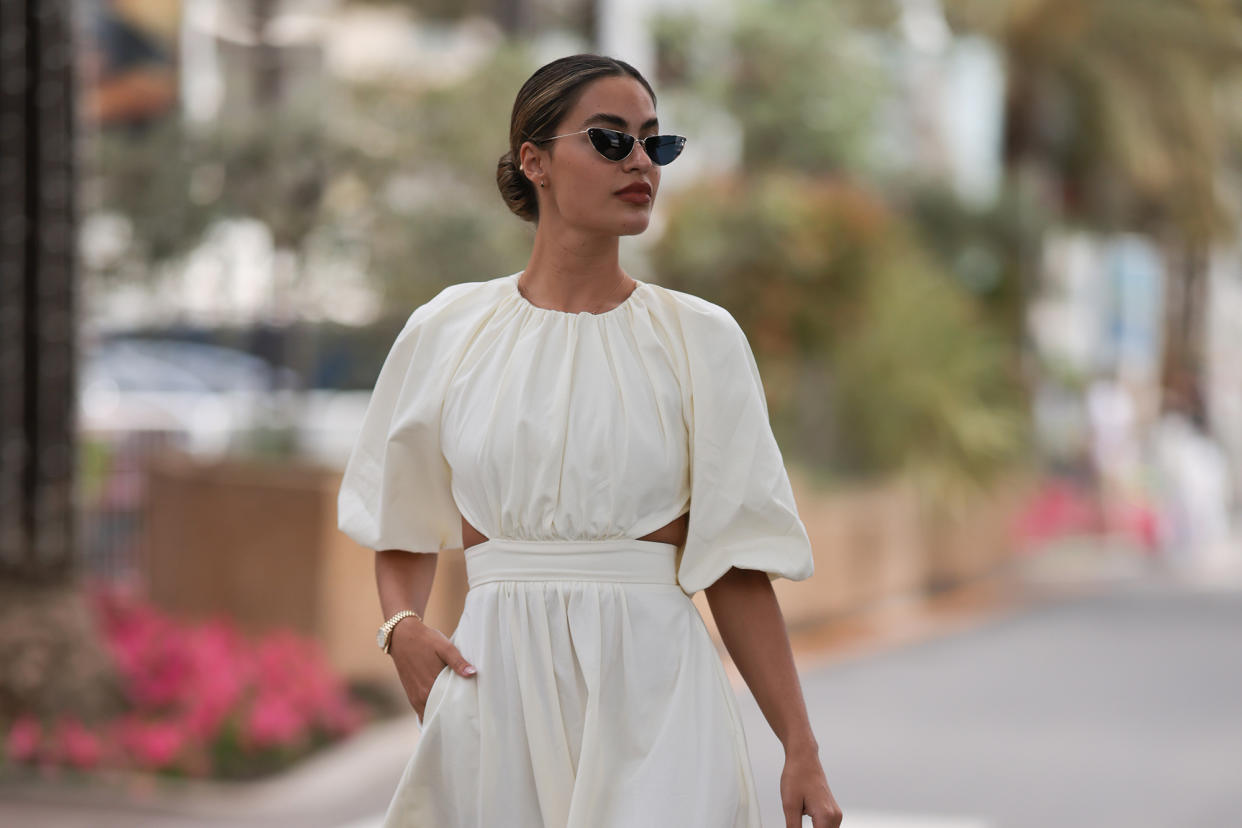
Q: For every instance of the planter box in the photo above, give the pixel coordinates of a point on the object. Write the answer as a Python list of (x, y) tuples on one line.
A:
[(868, 547), (976, 538), (258, 543)]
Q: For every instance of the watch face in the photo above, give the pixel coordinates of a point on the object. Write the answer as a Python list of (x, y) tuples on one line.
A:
[(379, 638)]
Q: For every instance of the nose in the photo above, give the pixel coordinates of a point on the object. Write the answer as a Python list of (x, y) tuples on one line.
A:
[(638, 155)]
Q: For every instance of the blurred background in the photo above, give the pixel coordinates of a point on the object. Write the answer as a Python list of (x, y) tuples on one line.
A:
[(987, 253)]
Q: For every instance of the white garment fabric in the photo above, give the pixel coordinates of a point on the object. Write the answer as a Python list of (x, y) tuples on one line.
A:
[(564, 437)]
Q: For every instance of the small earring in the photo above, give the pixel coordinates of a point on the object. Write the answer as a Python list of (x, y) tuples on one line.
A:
[(543, 183)]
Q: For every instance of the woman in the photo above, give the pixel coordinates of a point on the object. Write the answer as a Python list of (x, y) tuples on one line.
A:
[(600, 448)]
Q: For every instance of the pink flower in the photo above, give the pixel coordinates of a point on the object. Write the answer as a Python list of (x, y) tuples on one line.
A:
[(187, 680), (341, 717), (222, 671), (77, 745), (22, 744), (152, 745), (164, 671), (273, 720), (296, 667)]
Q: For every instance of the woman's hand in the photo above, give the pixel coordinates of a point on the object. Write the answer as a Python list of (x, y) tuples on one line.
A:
[(420, 652), (804, 790)]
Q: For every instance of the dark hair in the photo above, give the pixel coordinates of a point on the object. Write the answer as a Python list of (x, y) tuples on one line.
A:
[(541, 104)]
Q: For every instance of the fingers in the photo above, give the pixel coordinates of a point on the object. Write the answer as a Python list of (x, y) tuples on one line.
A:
[(453, 657), (421, 636), (827, 817)]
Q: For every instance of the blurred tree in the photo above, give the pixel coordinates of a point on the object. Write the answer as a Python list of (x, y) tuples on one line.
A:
[(518, 18), (53, 661), (1115, 115), (799, 84), (400, 180), (415, 180), (978, 245), (876, 360), (455, 9), (877, 356)]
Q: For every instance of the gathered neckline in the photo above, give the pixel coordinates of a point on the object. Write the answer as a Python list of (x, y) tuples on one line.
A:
[(513, 282)]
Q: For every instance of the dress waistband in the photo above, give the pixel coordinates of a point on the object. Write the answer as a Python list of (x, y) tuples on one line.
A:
[(626, 560)]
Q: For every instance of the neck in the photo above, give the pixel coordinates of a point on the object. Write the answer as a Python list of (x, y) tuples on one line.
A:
[(575, 271)]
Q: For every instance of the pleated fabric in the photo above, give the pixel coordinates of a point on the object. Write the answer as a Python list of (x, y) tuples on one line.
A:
[(563, 437), (600, 700)]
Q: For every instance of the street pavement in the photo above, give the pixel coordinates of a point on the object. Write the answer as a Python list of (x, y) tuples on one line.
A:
[(1101, 701), (1119, 707)]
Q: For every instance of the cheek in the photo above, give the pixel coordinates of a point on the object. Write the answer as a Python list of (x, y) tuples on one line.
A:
[(590, 184)]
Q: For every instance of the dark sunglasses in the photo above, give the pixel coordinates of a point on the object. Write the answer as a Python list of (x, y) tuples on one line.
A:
[(617, 146)]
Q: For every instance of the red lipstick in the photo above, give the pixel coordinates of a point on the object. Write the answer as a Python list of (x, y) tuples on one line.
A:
[(637, 193)]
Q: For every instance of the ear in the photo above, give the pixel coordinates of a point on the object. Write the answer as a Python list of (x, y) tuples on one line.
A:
[(531, 161)]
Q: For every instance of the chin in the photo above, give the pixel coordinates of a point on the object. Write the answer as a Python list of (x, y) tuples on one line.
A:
[(636, 222), (634, 227), (630, 225)]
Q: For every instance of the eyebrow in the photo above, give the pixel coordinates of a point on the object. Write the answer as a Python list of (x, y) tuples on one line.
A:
[(619, 122)]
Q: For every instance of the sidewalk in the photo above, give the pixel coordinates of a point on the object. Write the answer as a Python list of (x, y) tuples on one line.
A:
[(1059, 573), (331, 788), (346, 784)]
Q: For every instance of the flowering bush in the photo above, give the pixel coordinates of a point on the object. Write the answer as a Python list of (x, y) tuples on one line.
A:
[(1060, 509), (204, 700)]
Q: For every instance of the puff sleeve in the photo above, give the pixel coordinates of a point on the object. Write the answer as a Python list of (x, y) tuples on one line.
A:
[(396, 488), (742, 509)]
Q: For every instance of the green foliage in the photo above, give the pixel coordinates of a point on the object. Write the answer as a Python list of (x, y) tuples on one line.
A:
[(879, 343), (910, 374), (982, 248), (885, 349), (925, 385), (421, 195), (440, 9), (400, 179), (148, 177), (274, 169), (796, 79), (1121, 100), (173, 181), (787, 253)]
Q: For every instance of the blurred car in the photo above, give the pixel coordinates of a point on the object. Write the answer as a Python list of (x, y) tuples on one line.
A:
[(201, 395)]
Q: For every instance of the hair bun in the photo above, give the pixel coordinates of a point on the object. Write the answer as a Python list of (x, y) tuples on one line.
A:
[(516, 189)]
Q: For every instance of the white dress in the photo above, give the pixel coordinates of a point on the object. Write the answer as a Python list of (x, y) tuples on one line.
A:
[(600, 700)]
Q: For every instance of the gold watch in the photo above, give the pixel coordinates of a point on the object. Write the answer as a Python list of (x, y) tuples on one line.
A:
[(384, 636)]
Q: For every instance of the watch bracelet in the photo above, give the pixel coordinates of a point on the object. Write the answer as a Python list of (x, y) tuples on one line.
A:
[(401, 615)]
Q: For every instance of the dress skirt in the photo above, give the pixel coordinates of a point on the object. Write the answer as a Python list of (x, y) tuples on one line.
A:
[(600, 700)]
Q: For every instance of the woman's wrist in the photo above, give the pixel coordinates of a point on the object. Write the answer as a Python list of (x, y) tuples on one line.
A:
[(802, 745), (404, 631)]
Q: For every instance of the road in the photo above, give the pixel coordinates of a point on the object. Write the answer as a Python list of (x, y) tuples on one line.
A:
[(1115, 709)]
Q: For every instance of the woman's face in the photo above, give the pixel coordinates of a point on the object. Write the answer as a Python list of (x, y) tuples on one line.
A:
[(582, 185)]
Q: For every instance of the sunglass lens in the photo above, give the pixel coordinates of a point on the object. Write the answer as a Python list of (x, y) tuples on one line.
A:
[(664, 148), (615, 145), (609, 143)]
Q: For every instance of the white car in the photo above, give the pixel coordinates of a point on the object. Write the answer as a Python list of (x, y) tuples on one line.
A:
[(201, 395)]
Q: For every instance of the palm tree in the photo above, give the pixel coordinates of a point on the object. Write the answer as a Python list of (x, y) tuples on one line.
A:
[(1114, 116)]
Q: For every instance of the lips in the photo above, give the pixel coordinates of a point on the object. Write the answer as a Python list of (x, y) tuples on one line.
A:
[(637, 187)]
